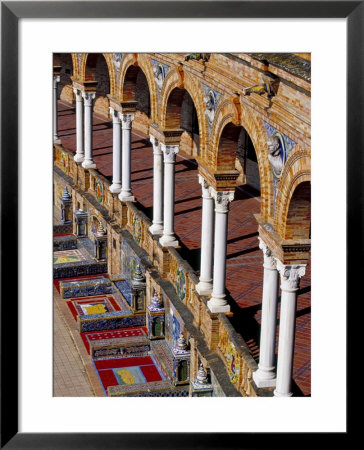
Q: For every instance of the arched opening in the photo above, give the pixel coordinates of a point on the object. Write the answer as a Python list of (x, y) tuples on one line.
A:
[(181, 113), (97, 70), (246, 161), (65, 91), (236, 151), (136, 89), (298, 224)]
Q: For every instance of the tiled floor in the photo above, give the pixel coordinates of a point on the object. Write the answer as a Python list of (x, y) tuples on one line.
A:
[(70, 379), (244, 273)]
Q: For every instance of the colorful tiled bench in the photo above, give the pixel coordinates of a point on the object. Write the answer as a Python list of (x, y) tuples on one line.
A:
[(109, 321), (74, 289), (151, 389), (120, 347)]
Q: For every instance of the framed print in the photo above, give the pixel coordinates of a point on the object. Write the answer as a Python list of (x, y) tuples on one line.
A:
[(165, 241)]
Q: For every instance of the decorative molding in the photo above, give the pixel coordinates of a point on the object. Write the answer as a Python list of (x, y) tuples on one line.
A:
[(297, 248)]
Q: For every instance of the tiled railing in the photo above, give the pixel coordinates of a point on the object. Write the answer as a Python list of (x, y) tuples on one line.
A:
[(238, 361)]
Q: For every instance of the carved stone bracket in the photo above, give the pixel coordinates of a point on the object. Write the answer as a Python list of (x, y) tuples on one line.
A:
[(290, 275), (269, 86)]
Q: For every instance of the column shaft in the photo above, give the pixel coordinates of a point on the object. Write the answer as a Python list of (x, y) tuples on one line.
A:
[(265, 375), (204, 287), (290, 278), (116, 153), (168, 239), (157, 227), (218, 302), (56, 140), (126, 194), (80, 153), (88, 162)]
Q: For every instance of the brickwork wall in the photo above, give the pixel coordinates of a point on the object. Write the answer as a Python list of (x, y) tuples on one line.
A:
[(299, 213)]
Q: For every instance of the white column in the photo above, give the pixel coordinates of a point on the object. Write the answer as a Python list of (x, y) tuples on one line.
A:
[(168, 239), (115, 188), (290, 280), (217, 302), (265, 375), (204, 287), (56, 80), (80, 153), (88, 98), (126, 122), (157, 227)]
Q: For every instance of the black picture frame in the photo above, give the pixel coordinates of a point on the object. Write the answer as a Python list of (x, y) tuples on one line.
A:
[(11, 12)]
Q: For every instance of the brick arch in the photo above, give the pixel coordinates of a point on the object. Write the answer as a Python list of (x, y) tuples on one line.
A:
[(297, 170), (177, 78), (82, 74), (231, 111), (65, 61), (75, 71), (144, 64)]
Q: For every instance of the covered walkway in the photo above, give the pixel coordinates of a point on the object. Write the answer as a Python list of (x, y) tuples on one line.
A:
[(244, 275)]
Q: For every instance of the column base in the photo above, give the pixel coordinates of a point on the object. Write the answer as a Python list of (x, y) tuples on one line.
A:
[(88, 164), (156, 228), (261, 380), (115, 188), (126, 197), (281, 394), (168, 241), (79, 158), (215, 307), (204, 287), (56, 141)]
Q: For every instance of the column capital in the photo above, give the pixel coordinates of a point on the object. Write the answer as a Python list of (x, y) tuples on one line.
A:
[(156, 145), (290, 275), (269, 260), (78, 94), (126, 120), (115, 115), (88, 97), (222, 200), (205, 187), (170, 152)]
